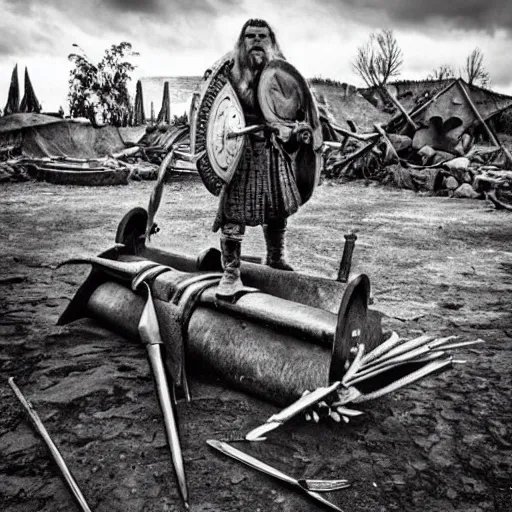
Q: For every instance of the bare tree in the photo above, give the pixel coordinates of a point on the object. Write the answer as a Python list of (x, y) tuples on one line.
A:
[(379, 59), (443, 72), (474, 69)]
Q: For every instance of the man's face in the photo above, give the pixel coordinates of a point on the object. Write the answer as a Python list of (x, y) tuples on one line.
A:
[(257, 42)]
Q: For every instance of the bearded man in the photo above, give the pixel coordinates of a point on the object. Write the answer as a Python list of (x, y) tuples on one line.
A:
[(263, 190)]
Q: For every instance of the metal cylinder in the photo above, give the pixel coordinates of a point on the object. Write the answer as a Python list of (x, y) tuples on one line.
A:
[(256, 359), (294, 334), (311, 291), (252, 357), (317, 292)]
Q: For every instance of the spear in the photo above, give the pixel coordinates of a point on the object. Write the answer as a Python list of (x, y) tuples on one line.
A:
[(150, 336), (38, 424)]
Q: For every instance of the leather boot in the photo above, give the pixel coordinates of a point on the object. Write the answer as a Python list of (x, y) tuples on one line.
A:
[(275, 240), (230, 282)]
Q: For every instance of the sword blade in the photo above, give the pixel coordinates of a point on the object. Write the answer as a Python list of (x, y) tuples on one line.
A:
[(171, 428), (255, 463), (150, 335)]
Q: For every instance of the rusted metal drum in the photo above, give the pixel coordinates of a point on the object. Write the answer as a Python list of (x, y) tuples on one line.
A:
[(294, 333), (249, 356), (317, 292), (266, 345)]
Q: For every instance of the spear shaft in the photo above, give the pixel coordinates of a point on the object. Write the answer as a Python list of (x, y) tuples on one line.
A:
[(38, 424)]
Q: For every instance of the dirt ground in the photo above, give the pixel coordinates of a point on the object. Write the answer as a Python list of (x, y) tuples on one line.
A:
[(437, 265)]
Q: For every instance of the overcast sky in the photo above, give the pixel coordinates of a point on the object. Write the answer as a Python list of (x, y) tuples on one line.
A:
[(183, 37)]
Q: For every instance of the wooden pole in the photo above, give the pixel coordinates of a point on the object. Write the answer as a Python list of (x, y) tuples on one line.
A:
[(356, 154), (387, 141), (397, 104), (347, 133), (57, 457), (247, 130), (491, 135)]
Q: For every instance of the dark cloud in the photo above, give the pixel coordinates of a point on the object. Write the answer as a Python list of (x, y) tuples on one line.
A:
[(27, 32), (466, 14), (142, 6), (161, 24), (98, 8)]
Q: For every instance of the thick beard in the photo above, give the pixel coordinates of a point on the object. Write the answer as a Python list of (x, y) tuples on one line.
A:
[(246, 72), (257, 61)]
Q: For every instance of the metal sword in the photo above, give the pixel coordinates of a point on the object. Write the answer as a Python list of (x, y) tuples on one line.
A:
[(150, 336), (303, 485)]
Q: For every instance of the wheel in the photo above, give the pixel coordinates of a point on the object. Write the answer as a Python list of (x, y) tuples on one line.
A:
[(131, 229), (351, 326)]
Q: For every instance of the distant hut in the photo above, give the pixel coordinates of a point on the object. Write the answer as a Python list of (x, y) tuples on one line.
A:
[(29, 103), (13, 99), (164, 116), (343, 106), (138, 116), (452, 111)]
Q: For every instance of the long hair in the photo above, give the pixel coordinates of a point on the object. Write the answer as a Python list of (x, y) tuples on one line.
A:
[(243, 76)]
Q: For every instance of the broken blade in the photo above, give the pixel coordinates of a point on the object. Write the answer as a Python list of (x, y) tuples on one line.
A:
[(255, 463), (303, 403), (256, 434)]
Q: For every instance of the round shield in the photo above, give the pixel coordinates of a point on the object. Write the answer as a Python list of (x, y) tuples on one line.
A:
[(285, 98), (217, 112), (226, 116)]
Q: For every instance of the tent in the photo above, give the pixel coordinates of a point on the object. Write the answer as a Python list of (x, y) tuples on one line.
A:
[(38, 135)]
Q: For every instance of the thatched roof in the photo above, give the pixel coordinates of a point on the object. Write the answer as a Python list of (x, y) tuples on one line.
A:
[(344, 104), (14, 122), (488, 103), (412, 94)]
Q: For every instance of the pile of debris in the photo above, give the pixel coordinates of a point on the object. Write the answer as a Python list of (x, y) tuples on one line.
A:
[(432, 148), (71, 152), (158, 141)]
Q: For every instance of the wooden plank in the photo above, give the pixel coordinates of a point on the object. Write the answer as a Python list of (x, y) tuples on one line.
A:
[(490, 133)]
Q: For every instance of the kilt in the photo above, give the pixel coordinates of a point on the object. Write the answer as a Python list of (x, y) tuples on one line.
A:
[(262, 188)]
